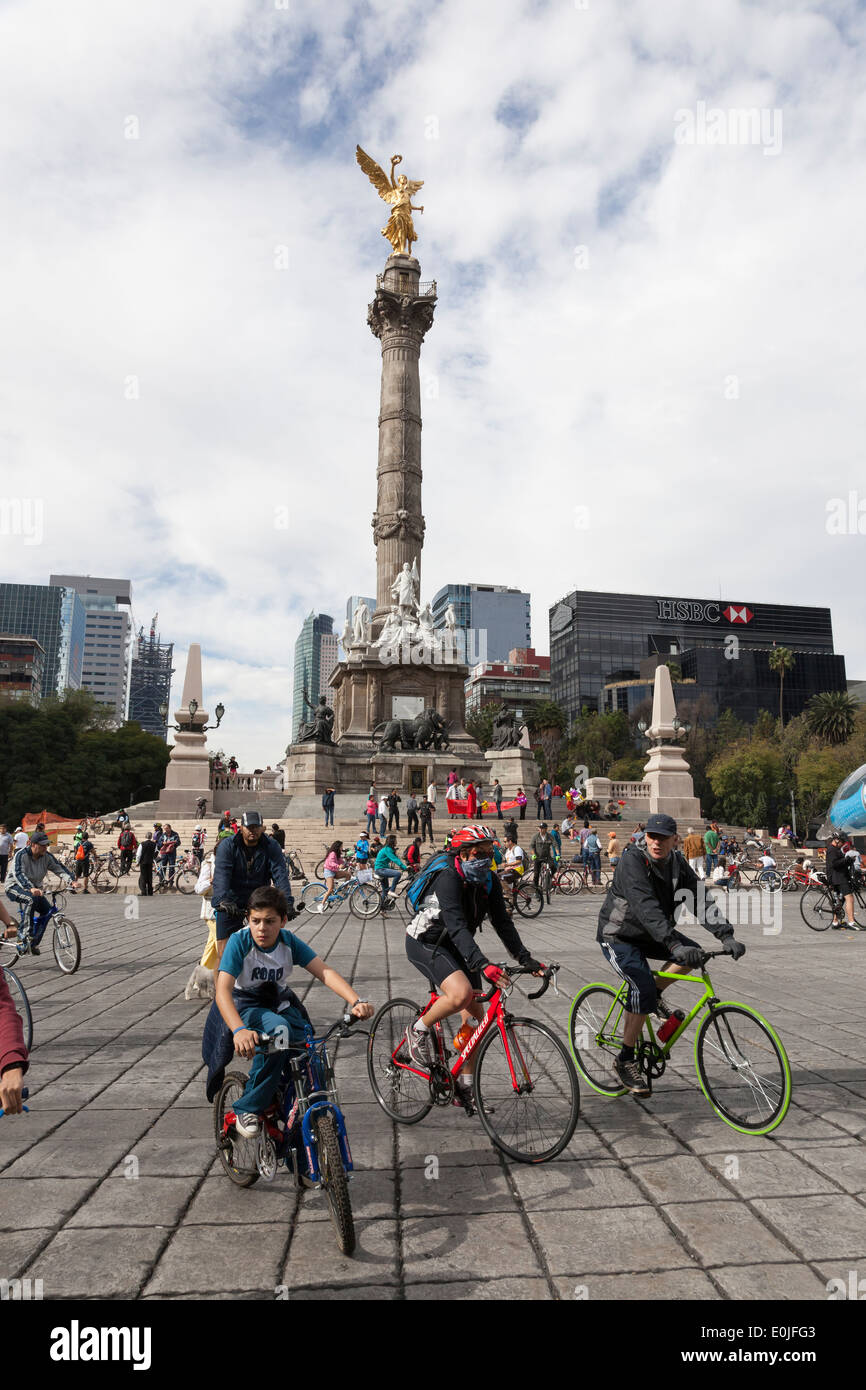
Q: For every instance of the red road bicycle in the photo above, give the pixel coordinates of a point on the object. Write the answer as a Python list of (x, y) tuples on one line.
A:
[(525, 1087)]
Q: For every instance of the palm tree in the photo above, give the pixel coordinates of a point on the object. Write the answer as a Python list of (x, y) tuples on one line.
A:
[(781, 660), (832, 715), (546, 722)]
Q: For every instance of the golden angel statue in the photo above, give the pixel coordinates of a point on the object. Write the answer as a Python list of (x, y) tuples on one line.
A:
[(400, 230)]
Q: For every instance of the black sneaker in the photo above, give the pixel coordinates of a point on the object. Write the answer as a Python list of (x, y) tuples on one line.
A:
[(631, 1077)]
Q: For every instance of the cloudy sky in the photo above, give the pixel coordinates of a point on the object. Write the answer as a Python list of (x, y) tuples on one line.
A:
[(645, 372)]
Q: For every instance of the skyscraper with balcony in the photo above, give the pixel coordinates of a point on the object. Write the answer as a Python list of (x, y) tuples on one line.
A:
[(107, 637), (315, 659), (54, 615)]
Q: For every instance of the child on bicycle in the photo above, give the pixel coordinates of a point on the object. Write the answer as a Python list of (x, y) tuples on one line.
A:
[(334, 868), (253, 996), (440, 940)]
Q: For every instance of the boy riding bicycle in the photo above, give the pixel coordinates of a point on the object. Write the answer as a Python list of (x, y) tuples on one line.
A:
[(440, 940), (252, 995)]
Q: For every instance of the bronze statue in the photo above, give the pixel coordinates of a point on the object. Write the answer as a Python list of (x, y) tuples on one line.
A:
[(319, 728), (426, 730), (400, 230), (506, 731)]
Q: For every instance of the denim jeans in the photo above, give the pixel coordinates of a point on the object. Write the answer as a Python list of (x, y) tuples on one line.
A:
[(267, 1068), (371, 823), (329, 812), (385, 876)]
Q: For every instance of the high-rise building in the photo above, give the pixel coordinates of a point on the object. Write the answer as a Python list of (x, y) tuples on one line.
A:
[(315, 659), (22, 665), (150, 680), (604, 649), (55, 617), (522, 680), (108, 631), (493, 619)]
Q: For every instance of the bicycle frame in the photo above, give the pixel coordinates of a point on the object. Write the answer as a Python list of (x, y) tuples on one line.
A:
[(707, 999), (495, 1013)]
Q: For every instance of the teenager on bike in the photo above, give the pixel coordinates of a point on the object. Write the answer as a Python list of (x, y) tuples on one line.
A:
[(440, 939), (637, 924), (24, 883)]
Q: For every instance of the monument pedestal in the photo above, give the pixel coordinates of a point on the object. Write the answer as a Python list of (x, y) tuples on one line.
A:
[(671, 790), (515, 767), (187, 776)]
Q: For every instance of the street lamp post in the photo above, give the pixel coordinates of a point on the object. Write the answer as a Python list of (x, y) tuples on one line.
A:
[(191, 727)]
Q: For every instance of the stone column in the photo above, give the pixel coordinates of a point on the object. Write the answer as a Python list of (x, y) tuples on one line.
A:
[(399, 316)]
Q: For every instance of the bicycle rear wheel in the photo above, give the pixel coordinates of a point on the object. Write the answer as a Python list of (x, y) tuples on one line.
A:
[(528, 1097), (595, 1023), (66, 945), (743, 1069), (568, 881), (21, 1002), (237, 1155), (186, 880), (402, 1094), (334, 1182), (816, 908), (364, 900), (528, 900)]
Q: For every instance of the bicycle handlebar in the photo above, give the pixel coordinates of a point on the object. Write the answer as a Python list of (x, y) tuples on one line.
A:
[(515, 970), (25, 1095), (343, 1024)]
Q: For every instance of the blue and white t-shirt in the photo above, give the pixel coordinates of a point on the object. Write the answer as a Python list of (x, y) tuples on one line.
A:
[(261, 976)]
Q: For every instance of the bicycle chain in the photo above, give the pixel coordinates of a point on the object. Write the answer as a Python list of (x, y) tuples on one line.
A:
[(441, 1085)]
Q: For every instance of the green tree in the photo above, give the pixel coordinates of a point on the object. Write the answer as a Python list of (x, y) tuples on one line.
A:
[(546, 722), (832, 716), (628, 769), (818, 773), (479, 724), (676, 671), (781, 660), (747, 781)]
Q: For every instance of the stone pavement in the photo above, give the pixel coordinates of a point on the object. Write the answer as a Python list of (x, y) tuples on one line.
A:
[(110, 1187)]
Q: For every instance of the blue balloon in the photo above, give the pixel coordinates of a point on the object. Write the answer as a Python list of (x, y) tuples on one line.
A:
[(848, 807)]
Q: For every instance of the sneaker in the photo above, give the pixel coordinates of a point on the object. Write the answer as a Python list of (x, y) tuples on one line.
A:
[(661, 1009), (320, 907), (631, 1077), (247, 1125), (418, 1047)]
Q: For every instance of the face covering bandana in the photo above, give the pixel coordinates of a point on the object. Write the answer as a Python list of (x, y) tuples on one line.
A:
[(476, 870)]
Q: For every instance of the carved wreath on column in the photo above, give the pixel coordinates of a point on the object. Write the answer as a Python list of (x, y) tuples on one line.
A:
[(400, 523)]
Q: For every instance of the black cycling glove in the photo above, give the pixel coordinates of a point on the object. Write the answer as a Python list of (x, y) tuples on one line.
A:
[(689, 956), (530, 963), (732, 947)]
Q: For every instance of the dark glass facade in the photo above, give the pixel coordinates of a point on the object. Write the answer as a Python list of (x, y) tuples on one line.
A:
[(597, 639)]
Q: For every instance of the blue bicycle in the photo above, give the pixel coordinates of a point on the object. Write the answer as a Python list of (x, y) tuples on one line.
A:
[(65, 941), (303, 1128)]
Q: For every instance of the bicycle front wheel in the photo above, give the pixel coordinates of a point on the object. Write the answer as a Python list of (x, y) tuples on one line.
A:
[(237, 1155), (595, 1024), (568, 881), (402, 1093), (743, 1069), (312, 894), (816, 908), (527, 1092), (528, 900), (334, 1182), (66, 945), (364, 900), (186, 880), (21, 1002)]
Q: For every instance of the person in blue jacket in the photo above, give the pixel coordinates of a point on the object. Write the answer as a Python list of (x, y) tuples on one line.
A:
[(243, 862)]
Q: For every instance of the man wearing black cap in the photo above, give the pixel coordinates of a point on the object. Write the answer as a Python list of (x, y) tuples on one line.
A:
[(24, 884), (243, 862), (650, 884)]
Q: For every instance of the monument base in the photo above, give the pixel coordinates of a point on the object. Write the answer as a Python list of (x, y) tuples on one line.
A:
[(515, 767), (671, 789), (352, 771)]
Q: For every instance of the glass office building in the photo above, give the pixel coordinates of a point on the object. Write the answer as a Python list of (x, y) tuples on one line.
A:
[(55, 617), (493, 619), (108, 633), (313, 665), (603, 644)]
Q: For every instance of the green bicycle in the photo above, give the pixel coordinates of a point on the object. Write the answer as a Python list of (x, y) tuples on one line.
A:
[(741, 1064)]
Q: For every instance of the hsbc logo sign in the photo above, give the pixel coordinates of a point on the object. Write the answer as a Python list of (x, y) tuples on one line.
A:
[(691, 611)]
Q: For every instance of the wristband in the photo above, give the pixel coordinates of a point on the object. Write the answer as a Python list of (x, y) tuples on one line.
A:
[(238, 1030)]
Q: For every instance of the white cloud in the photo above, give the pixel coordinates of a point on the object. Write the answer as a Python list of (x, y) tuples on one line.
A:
[(156, 258)]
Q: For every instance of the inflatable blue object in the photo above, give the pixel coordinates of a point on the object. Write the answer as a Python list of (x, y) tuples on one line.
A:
[(848, 808)]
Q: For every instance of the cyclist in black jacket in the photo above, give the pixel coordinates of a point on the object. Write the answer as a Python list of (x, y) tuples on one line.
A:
[(839, 878), (651, 883), (440, 940)]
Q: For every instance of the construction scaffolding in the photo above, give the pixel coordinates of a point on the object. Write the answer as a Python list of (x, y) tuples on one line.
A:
[(150, 683)]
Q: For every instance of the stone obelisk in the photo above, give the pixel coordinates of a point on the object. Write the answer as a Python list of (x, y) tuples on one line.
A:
[(399, 316), (187, 775)]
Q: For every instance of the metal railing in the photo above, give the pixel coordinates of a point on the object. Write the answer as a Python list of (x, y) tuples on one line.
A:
[(426, 288)]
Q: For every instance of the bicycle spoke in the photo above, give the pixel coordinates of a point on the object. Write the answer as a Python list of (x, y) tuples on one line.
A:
[(742, 1069)]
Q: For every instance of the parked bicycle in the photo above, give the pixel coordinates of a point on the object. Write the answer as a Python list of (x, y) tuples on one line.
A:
[(741, 1063), (294, 866), (524, 1089), (65, 942), (573, 878), (520, 893), (747, 873), (304, 1129)]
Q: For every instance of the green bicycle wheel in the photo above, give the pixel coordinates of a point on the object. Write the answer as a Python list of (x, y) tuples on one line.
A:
[(743, 1068), (595, 1036)]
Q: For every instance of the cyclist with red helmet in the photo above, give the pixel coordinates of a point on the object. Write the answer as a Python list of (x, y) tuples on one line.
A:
[(440, 939)]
